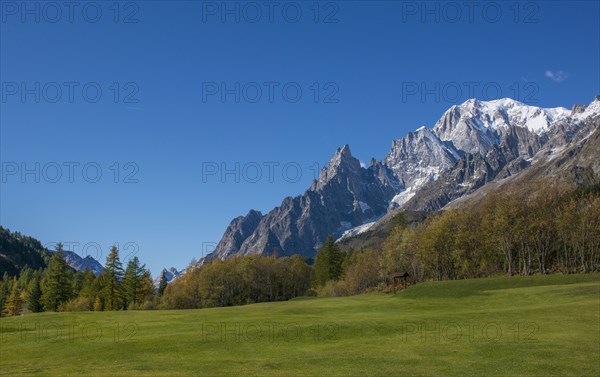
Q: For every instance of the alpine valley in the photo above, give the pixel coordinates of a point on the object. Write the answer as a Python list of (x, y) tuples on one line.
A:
[(474, 147)]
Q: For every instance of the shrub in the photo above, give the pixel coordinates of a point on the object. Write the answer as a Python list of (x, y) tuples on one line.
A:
[(80, 304)]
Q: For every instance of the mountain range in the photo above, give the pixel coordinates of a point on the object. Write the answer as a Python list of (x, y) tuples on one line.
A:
[(474, 145), (18, 251), (170, 275), (78, 263)]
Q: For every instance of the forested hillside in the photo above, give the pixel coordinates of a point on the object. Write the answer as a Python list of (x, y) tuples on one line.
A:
[(18, 251), (537, 231)]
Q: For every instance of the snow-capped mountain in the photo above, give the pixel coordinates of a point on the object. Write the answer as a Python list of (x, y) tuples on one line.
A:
[(471, 145), (475, 126), (494, 139), (416, 159), (81, 264), (170, 274)]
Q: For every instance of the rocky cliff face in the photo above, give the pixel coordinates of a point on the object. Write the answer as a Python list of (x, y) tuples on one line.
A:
[(475, 126), (522, 134), (237, 232), (82, 264), (344, 196), (574, 164), (417, 159), (472, 144)]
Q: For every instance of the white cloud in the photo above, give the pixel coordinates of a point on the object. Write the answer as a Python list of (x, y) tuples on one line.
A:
[(363, 165), (558, 76)]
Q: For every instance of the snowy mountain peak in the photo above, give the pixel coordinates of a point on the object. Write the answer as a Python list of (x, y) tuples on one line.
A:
[(416, 159), (170, 275), (594, 106), (475, 126), (472, 144), (581, 112), (506, 112)]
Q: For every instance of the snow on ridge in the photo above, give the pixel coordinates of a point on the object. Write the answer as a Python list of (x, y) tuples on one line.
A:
[(592, 109), (496, 116), (356, 230), (536, 119), (171, 274), (403, 197)]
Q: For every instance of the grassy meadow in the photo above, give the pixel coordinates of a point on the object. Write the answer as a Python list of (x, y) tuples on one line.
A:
[(507, 326)]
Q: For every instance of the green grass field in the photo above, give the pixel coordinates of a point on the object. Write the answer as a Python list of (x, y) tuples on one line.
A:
[(520, 326)]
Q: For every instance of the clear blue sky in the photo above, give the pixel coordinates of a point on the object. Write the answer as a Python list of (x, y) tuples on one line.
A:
[(169, 123)]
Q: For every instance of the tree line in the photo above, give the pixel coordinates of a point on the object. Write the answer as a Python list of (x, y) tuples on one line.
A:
[(236, 281), (514, 233), (239, 281), (546, 230), (59, 288)]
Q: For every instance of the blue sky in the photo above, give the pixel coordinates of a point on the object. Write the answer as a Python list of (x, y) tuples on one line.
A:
[(144, 93)]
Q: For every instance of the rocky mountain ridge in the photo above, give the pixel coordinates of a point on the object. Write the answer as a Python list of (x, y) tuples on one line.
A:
[(82, 264), (471, 145)]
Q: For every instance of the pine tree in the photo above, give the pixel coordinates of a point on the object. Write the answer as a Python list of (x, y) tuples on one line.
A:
[(163, 284), (34, 300), (336, 259), (329, 263), (4, 291), (132, 282), (112, 276), (88, 288), (56, 285), (14, 303), (25, 276), (321, 267)]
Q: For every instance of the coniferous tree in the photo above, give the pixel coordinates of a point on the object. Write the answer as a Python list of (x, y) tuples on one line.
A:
[(329, 263), (321, 268), (14, 302), (25, 276), (56, 285), (112, 277), (132, 282), (163, 284), (4, 291), (77, 279), (34, 300), (336, 259), (88, 287)]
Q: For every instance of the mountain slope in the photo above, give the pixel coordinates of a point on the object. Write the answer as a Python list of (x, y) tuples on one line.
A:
[(470, 147), (345, 195), (576, 164), (82, 264), (519, 150), (418, 159), (475, 126), (18, 251)]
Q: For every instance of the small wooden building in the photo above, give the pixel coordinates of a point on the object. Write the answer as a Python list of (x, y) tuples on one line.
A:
[(397, 276)]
